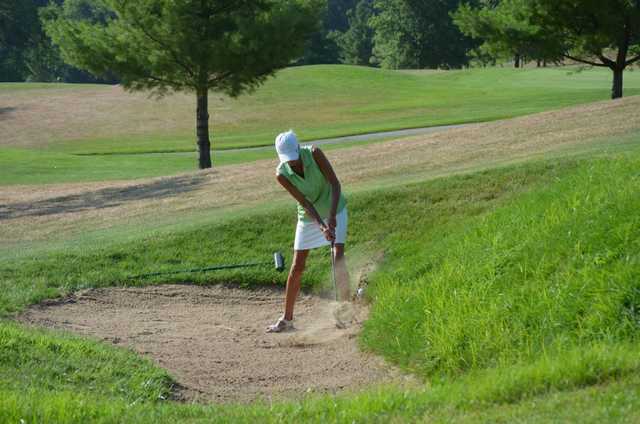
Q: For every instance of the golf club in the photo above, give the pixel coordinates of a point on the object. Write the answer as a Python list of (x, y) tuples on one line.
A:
[(333, 269), (278, 262)]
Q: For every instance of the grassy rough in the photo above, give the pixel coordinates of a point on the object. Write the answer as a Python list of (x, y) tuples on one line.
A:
[(614, 400), (37, 360), (559, 267), (514, 291)]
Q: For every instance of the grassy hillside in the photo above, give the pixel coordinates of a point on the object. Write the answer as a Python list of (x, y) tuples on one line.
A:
[(509, 286), (559, 267), (317, 101), (514, 291), (78, 217), (38, 276)]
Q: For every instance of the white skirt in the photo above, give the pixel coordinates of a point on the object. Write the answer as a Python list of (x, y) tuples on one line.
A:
[(309, 236)]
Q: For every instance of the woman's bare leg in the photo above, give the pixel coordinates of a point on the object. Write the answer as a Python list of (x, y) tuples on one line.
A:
[(293, 281), (342, 274)]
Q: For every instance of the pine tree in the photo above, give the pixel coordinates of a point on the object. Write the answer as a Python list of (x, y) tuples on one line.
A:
[(230, 46)]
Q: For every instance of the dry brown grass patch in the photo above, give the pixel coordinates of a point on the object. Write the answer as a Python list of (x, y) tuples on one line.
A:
[(253, 183)]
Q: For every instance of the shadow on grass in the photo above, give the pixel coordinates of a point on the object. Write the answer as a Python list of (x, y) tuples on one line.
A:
[(6, 111), (100, 199)]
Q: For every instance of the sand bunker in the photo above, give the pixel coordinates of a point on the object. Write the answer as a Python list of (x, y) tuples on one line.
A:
[(213, 340)]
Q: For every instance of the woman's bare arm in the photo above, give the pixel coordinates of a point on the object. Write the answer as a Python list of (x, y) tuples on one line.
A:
[(330, 175), (307, 205)]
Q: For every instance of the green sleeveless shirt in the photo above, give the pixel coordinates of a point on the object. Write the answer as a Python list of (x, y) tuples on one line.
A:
[(314, 186)]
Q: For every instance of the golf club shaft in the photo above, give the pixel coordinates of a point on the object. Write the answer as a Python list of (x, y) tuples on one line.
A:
[(333, 268), (278, 261), (212, 268)]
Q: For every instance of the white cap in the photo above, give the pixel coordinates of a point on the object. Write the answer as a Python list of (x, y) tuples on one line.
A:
[(287, 146)]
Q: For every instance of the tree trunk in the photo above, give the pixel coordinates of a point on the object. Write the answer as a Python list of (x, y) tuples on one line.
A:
[(621, 61), (202, 130), (516, 60), (616, 90)]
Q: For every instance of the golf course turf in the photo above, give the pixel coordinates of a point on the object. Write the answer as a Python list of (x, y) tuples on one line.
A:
[(46, 127), (505, 333), (507, 286)]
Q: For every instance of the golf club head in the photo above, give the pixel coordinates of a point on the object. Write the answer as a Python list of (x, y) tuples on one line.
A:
[(278, 260)]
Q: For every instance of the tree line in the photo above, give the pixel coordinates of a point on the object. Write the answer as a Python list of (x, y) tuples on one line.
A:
[(396, 34), (26, 50), (448, 34)]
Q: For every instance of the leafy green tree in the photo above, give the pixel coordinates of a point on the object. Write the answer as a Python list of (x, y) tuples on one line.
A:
[(597, 33), (397, 38), (42, 61), (93, 11), (19, 31), (506, 31), (419, 34), (320, 49), (356, 43), (445, 45), (322, 46), (230, 46), (26, 52), (593, 32)]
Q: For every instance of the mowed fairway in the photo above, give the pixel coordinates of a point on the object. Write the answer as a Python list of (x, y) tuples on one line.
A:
[(47, 129)]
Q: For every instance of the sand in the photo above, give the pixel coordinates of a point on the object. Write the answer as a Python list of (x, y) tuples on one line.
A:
[(213, 341)]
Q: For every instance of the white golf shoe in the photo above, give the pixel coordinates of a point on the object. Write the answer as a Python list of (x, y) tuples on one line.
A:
[(280, 326)]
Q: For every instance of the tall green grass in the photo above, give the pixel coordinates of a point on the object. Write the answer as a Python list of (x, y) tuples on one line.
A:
[(559, 267), (34, 359), (475, 399)]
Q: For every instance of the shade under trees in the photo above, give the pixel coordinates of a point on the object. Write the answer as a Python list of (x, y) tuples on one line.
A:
[(230, 46), (419, 34), (26, 52), (597, 33), (20, 35), (592, 32), (356, 43), (322, 47), (506, 32)]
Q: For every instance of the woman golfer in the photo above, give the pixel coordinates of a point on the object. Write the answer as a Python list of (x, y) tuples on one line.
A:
[(308, 176)]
